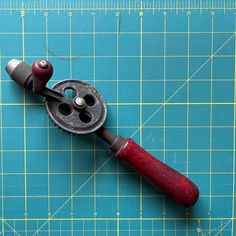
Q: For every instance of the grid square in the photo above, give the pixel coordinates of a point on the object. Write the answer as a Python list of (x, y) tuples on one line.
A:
[(65, 209), (106, 45), (227, 26), (129, 45), (129, 92), (14, 185), (60, 48), (37, 162), (199, 91), (199, 161), (12, 93), (219, 183), (222, 138), (176, 68), (148, 97), (155, 111), (13, 162), (60, 162), (103, 25), (37, 138), (37, 185), (199, 115), (106, 69), (14, 206), (12, 49), (109, 210), (175, 138), (82, 45), (58, 140), (223, 44), (221, 206), (84, 206), (157, 203), (153, 44), (223, 115), (83, 185), (58, 180), (223, 72), (153, 68), (53, 25), (131, 120), (176, 115), (133, 73), (129, 207), (176, 44), (37, 212), (11, 24), (37, 44), (82, 69), (108, 90), (177, 160), (130, 25), (200, 44), (157, 18), (200, 69), (175, 26), (35, 116), (106, 162), (106, 184), (176, 92), (199, 138), (9, 119), (152, 138), (129, 185), (223, 91), (7, 141), (222, 161)]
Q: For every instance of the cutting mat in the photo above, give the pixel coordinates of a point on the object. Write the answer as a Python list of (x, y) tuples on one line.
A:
[(167, 72)]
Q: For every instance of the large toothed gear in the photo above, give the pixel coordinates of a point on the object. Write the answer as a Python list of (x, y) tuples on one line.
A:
[(88, 113)]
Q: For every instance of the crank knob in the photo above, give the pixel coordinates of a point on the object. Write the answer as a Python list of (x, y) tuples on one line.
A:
[(42, 72)]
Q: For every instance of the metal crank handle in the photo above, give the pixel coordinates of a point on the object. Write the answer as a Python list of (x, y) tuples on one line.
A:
[(178, 187)]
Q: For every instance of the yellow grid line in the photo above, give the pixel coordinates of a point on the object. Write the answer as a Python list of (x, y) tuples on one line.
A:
[(141, 111), (48, 127), (117, 123), (1, 154), (234, 135), (211, 117), (94, 138), (131, 103), (164, 112), (24, 120), (187, 111), (124, 219), (71, 135), (112, 32)]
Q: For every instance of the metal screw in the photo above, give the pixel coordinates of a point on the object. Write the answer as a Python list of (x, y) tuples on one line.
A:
[(43, 64), (80, 102)]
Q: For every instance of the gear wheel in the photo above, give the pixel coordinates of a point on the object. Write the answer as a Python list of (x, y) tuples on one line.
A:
[(88, 113)]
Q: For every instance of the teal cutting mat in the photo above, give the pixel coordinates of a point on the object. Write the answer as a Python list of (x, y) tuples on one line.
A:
[(167, 72)]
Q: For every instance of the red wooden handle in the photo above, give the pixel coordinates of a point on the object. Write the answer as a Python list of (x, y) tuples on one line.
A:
[(169, 181)]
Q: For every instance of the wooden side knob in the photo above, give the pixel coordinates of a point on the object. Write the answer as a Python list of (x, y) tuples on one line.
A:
[(42, 72)]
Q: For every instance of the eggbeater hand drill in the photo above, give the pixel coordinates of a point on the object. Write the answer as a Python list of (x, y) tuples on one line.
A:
[(86, 113)]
